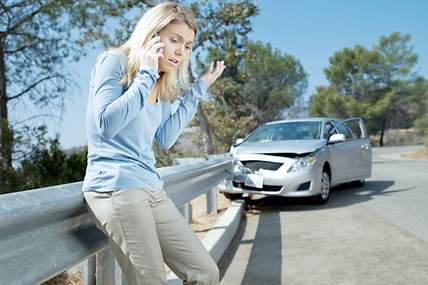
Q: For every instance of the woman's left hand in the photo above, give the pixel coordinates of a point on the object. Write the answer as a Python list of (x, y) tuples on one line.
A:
[(213, 73)]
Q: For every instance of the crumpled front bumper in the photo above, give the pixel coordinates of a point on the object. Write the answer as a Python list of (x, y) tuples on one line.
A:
[(305, 182)]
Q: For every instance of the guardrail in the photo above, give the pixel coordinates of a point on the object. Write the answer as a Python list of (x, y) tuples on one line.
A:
[(48, 230)]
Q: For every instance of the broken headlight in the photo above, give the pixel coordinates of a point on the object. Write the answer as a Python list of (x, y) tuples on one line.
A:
[(303, 162)]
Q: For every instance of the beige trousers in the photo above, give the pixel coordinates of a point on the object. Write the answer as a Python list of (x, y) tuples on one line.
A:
[(145, 229)]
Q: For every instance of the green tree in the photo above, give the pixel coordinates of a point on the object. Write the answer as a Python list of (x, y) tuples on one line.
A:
[(422, 124), (224, 25), (47, 165), (261, 84), (420, 99), (38, 40), (376, 83)]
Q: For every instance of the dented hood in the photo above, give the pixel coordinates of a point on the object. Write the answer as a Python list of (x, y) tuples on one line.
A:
[(288, 146)]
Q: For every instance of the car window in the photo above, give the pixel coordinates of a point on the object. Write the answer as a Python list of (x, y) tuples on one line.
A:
[(343, 129), (327, 129), (355, 128), (287, 131)]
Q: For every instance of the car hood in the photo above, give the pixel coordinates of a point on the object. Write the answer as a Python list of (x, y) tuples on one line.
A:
[(288, 146)]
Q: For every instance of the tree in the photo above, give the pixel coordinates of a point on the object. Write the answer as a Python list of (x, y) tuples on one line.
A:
[(261, 84), (222, 24), (38, 40), (226, 25), (47, 165), (420, 99), (376, 83), (422, 125)]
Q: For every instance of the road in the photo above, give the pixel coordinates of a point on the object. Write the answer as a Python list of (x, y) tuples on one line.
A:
[(377, 234)]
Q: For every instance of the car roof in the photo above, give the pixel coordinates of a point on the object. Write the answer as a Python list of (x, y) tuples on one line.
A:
[(310, 119)]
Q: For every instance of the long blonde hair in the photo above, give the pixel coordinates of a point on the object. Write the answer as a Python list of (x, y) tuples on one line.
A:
[(153, 21)]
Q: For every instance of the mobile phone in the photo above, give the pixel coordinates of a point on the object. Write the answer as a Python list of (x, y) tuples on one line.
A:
[(154, 36)]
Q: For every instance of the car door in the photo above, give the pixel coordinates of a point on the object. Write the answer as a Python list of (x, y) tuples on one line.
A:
[(341, 160), (354, 161), (363, 157)]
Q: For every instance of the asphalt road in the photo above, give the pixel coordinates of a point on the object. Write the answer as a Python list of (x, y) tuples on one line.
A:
[(377, 234)]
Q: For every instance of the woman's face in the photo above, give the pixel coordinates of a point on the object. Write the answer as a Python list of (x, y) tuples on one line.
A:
[(178, 38)]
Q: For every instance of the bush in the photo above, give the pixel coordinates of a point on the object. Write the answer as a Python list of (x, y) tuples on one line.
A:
[(398, 137), (422, 125)]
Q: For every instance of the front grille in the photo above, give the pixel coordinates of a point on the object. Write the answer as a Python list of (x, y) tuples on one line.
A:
[(257, 165), (267, 188)]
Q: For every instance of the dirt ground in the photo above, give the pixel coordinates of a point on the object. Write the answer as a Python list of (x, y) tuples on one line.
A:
[(201, 224), (419, 154)]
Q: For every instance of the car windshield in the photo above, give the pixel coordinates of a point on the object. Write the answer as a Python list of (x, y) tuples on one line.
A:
[(287, 131)]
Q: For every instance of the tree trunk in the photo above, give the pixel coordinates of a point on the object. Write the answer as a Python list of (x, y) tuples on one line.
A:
[(382, 133), (206, 131), (202, 120), (381, 137), (5, 132)]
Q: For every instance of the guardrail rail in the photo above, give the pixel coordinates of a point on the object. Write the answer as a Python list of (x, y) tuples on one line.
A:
[(46, 231)]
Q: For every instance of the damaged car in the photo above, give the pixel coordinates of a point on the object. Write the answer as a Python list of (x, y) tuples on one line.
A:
[(300, 158)]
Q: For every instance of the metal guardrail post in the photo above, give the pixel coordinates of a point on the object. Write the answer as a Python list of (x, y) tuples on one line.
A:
[(186, 212), (123, 279), (108, 271), (90, 269), (212, 201), (190, 211)]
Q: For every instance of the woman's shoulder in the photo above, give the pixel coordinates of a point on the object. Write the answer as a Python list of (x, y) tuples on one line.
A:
[(113, 57)]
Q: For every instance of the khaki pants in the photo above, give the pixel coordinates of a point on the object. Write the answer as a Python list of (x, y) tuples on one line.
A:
[(145, 229)]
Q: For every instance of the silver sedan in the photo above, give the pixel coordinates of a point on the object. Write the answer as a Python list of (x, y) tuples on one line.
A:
[(300, 158)]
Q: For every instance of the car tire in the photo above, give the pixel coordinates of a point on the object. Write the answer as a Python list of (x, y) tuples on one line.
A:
[(358, 183), (323, 197), (232, 196)]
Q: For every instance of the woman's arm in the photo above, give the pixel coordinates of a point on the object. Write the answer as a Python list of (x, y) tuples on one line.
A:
[(113, 109), (169, 130)]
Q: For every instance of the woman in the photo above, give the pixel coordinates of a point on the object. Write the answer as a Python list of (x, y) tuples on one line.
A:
[(129, 105)]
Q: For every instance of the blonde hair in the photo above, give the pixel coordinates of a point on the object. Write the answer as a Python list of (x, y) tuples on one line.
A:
[(153, 21)]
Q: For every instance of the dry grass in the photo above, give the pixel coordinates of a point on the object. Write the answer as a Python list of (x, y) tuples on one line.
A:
[(201, 224), (397, 137), (419, 154), (66, 279)]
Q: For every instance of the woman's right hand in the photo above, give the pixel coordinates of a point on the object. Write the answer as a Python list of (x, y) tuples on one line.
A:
[(150, 54)]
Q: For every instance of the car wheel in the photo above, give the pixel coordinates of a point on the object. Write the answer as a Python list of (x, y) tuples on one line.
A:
[(358, 183), (323, 197), (232, 196)]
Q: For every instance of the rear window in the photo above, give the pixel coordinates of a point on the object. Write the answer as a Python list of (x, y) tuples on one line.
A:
[(287, 131)]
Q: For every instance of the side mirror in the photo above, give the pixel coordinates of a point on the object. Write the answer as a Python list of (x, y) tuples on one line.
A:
[(337, 138), (239, 141)]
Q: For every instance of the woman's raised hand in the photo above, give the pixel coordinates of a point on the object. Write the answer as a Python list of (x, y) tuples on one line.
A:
[(150, 53), (213, 72)]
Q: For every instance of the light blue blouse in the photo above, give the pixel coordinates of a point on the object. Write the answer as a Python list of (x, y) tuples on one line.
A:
[(121, 125)]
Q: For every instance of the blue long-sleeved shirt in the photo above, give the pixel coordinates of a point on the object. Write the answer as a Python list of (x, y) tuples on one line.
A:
[(121, 125)]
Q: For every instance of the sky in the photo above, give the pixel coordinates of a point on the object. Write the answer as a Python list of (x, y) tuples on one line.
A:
[(310, 30)]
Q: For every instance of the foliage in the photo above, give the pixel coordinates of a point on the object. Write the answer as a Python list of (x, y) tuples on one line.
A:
[(422, 125), (166, 158), (378, 84), (47, 165), (260, 84), (39, 39)]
